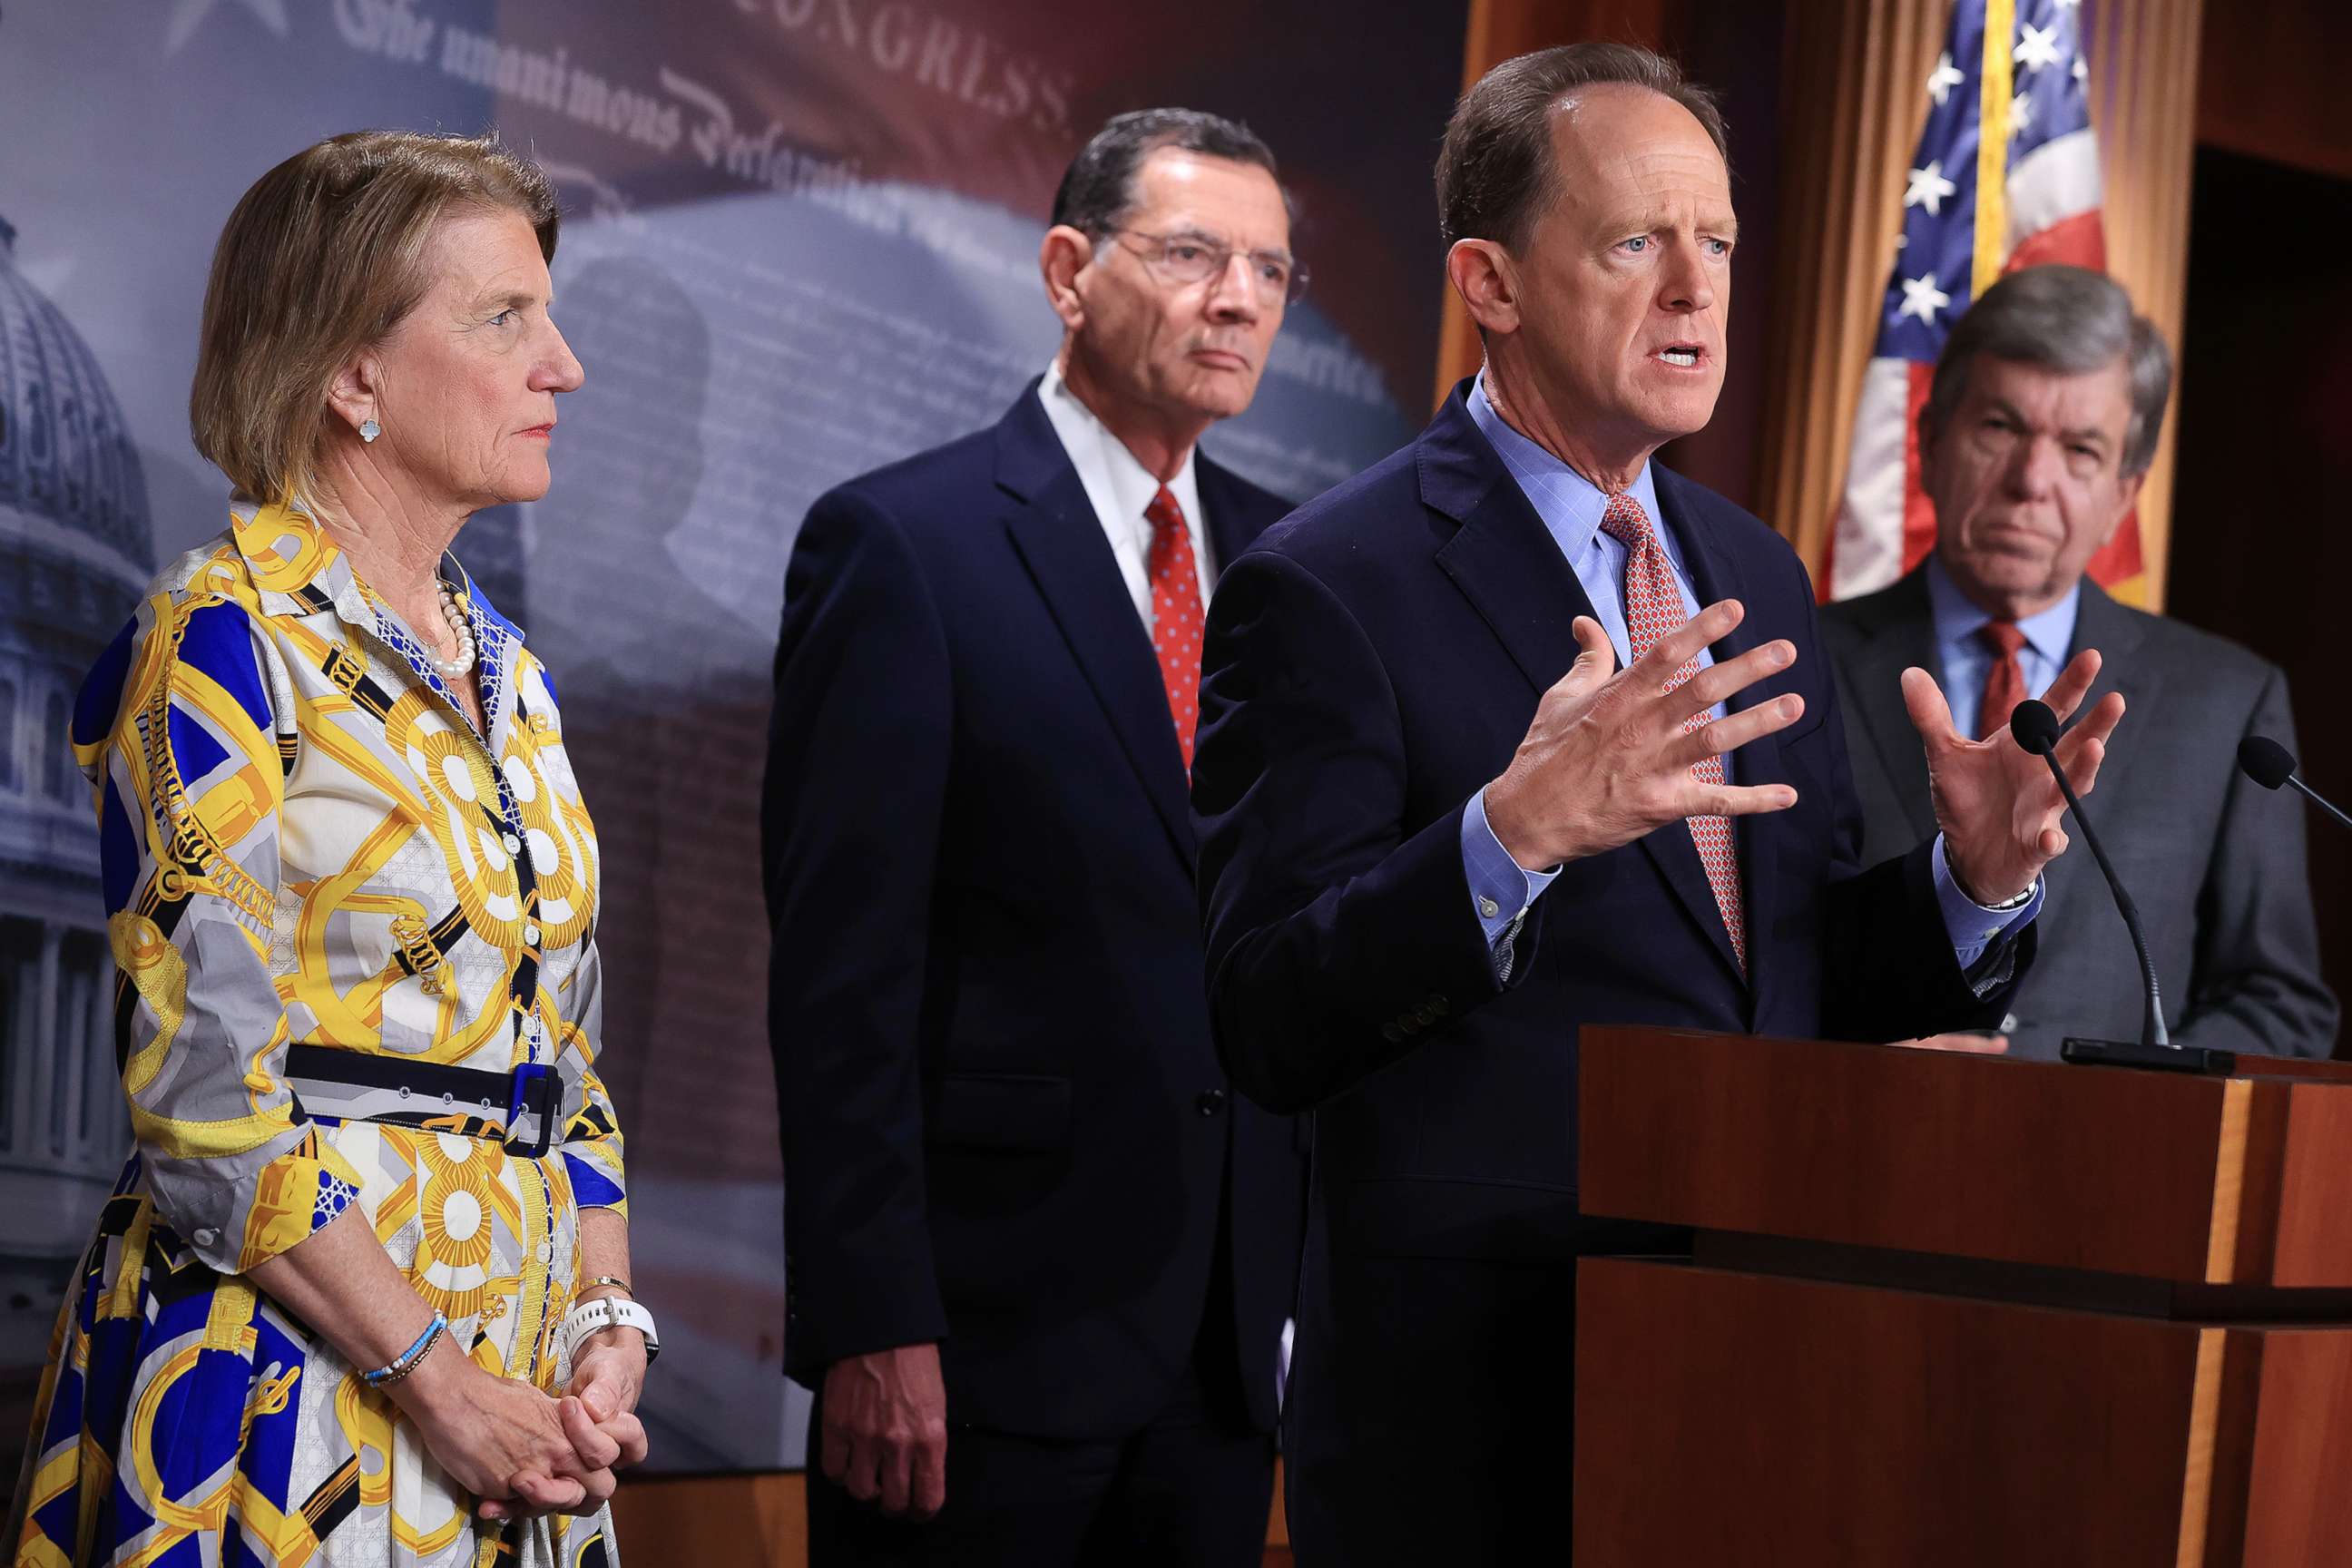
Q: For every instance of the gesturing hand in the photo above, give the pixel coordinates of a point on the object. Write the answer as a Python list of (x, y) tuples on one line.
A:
[(1606, 758), (1997, 805), (885, 1429)]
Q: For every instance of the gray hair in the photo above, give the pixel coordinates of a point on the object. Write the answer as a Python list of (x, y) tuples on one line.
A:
[(1496, 171), (1097, 189), (2065, 318)]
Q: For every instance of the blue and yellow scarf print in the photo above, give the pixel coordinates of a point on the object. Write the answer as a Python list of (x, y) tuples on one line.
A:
[(305, 841)]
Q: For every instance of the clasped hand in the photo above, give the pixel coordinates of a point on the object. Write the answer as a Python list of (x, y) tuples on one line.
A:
[(522, 1453)]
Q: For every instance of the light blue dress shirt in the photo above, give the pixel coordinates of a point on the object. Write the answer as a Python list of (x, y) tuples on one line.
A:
[(1962, 660), (1501, 891)]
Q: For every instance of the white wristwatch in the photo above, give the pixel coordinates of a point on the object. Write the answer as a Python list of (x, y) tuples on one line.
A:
[(608, 1313)]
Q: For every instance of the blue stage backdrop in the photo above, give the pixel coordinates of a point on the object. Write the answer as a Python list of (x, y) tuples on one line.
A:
[(801, 241)]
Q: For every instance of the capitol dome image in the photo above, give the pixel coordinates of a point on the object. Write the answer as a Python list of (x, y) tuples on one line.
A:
[(75, 553)]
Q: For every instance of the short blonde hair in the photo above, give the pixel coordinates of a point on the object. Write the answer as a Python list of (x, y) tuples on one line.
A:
[(321, 258)]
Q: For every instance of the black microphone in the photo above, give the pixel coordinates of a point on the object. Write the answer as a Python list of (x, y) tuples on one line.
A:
[(2269, 764), (2034, 728)]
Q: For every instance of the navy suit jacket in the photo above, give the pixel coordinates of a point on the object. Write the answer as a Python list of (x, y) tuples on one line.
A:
[(1372, 662), (1005, 1125)]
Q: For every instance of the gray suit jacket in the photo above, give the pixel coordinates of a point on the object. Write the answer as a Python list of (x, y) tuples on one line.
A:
[(2214, 861)]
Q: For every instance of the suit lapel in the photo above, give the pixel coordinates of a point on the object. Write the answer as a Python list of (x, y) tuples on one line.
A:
[(1229, 531), (1508, 566), (1904, 638), (1715, 575), (1053, 526), (2104, 625)]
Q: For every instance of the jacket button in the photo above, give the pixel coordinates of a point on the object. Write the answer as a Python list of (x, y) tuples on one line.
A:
[(1211, 1101)]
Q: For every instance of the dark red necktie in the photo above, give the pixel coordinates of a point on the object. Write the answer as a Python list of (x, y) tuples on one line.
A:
[(2004, 686), (1653, 606), (1176, 615)]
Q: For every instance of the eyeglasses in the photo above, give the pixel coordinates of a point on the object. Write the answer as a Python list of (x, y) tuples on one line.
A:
[(1196, 258)]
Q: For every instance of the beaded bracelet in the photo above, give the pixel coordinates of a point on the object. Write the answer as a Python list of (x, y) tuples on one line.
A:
[(406, 1362)]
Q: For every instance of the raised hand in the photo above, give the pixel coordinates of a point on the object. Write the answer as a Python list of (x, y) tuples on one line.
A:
[(1606, 758), (1997, 805)]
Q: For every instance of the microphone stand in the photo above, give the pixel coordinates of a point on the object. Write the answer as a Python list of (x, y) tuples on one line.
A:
[(2035, 728), (2318, 799)]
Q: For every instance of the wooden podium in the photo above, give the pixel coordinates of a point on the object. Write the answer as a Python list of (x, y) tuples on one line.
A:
[(1951, 1309)]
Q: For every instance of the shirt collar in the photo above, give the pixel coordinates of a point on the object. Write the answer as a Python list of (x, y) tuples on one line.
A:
[(301, 571), (1091, 444), (1569, 504), (2049, 633), (298, 568)]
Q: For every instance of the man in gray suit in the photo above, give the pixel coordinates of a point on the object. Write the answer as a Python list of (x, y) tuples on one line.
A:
[(2041, 421)]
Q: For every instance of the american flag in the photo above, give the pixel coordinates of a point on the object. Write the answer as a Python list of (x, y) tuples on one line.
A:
[(2006, 175)]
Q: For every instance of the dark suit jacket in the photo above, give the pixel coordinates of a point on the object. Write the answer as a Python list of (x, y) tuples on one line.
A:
[(1371, 663), (2214, 861), (1004, 1125)]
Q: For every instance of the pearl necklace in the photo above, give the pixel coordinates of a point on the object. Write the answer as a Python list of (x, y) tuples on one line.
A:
[(461, 626)]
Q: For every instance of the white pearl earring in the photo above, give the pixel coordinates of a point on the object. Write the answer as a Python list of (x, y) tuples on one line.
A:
[(370, 429)]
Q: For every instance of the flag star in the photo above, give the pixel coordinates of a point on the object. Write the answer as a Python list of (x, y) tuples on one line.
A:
[(1943, 78), (1922, 299), (2020, 113), (2037, 46), (1928, 188), (2081, 68)]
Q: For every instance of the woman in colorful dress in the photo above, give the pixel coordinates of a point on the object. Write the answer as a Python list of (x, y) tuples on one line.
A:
[(362, 1294)]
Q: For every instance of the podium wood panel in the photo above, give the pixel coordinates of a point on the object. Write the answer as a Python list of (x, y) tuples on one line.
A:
[(1726, 1417), (2298, 1507), (2165, 1176)]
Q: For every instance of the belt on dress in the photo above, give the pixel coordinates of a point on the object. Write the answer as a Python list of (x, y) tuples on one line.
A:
[(354, 1086)]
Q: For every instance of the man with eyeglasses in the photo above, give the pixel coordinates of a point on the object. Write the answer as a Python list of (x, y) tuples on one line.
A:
[(1038, 1253)]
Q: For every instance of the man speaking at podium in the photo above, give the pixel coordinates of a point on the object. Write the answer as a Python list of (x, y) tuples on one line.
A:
[(1516, 732), (2041, 418)]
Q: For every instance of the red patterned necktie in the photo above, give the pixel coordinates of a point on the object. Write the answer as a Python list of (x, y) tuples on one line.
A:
[(2005, 681), (1653, 606), (1176, 615)]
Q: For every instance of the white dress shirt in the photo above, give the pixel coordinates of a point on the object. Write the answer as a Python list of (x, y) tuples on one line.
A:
[(1120, 488)]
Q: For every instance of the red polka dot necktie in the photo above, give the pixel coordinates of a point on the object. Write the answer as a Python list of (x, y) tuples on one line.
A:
[(1176, 615), (2004, 686), (1653, 607)]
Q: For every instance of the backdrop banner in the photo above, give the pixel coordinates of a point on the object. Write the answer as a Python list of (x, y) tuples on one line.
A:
[(801, 240)]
